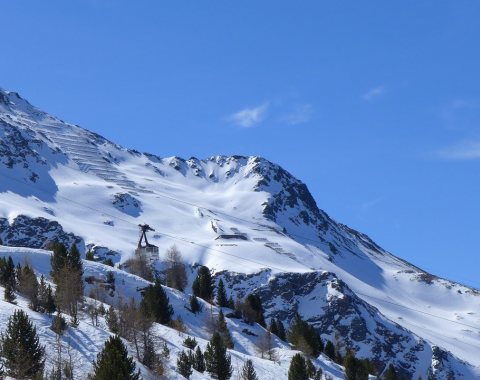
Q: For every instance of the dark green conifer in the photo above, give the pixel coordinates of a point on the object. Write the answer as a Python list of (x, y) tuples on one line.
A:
[(24, 356), (231, 303), (184, 366), (330, 350), (298, 368), (304, 337), (391, 374), (195, 306), (222, 300), (149, 356), (190, 343), (112, 320), (281, 330), (155, 304), (89, 256), (7, 272), (58, 260), (223, 330), (311, 370), (203, 284), (8, 294), (351, 366), (248, 371), (254, 304), (198, 361), (113, 362), (273, 328), (49, 302), (74, 261), (217, 361), (59, 324)]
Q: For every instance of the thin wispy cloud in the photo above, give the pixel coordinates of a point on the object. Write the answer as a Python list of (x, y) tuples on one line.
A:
[(461, 114), (368, 205), (374, 93), (250, 116), (301, 113), (464, 150)]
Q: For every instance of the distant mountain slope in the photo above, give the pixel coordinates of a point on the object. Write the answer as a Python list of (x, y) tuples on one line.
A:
[(245, 217)]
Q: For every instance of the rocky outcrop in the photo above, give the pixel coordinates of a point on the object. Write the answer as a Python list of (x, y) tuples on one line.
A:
[(36, 233), (341, 316)]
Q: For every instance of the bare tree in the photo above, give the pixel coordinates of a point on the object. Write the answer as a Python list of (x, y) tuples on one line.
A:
[(176, 273), (139, 266), (134, 326), (69, 292), (266, 346), (28, 285)]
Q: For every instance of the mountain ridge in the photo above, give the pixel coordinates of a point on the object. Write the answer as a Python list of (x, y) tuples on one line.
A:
[(270, 218)]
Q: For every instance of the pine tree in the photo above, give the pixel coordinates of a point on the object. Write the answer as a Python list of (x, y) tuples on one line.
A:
[(195, 306), (253, 310), (8, 294), (59, 324), (23, 354), (350, 364), (198, 361), (89, 256), (184, 366), (203, 284), (112, 320), (7, 272), (318, 375), (330, 350), (281, 330), (298, 368), (217, 361), (273, 327), (222, 300), (61, 258), (231, 303), (113, 362), (74, 261), (149, 357), (49, 303), (304, 337), (223, 330), (190, 343), (46, 300), (58, 260), (155, 304), (248, 371), (311, 370), (391, 374), (42, 293)]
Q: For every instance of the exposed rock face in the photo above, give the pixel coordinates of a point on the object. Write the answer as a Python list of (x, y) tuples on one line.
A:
[(36, 233), (127, 203), (339, 315)]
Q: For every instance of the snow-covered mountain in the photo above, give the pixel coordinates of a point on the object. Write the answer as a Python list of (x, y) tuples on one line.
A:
[(251, 221)]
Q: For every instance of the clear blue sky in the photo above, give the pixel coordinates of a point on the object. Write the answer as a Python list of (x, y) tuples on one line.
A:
[(374, 104)]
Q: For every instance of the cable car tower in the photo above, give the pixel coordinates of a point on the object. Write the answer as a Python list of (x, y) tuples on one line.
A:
[(146, 250)]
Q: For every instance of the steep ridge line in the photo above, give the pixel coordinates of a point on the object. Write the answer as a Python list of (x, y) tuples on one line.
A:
[(186, 241)]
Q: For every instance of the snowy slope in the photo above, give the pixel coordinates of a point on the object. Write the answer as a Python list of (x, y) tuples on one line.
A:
[(87, 340), (237, 214)]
